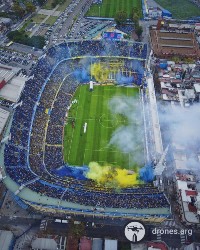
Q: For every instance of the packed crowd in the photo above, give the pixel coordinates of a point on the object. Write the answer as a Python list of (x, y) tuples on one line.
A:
[(128, 29), (101, 199), (108, 48), (35, 148)]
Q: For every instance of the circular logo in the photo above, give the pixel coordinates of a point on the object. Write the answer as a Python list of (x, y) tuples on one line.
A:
[(134, 231)]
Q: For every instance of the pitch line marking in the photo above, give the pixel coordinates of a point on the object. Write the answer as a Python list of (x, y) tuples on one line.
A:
[(101, 150), (74, 129), (94, 119)]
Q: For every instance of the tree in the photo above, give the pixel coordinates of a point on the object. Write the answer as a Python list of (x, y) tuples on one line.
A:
[(157, 84), (135, 10), (41, 2), (121, 17), (22, 37), (77, 230), (135, 14), (37, 41), (138, 31), (176, 59), (30, 8), (136, 18), (127, 36), (11, 35), (19, 11)]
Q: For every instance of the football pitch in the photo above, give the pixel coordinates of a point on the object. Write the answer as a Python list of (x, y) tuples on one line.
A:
[(187, 10), (93, 108), (109, 8)]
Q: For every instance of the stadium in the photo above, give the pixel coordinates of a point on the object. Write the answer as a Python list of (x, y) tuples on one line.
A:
[(62, 156)]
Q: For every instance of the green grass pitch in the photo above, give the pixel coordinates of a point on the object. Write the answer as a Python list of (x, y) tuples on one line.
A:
[(81, 148), (108, 8), (181, 9)]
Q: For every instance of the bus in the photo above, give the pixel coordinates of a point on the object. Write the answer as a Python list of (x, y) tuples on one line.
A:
[(10, 43)]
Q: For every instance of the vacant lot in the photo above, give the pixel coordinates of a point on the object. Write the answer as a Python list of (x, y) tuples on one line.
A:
[(38, 18), (51, 20)]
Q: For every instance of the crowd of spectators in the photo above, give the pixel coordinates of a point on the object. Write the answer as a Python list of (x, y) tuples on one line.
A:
[(108, 48), (128, 29), (99, 198), (36, 147)]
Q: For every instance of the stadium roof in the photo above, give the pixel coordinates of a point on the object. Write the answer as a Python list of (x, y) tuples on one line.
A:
[(12, 90), (5, 239), (44, 244), (166, 12), (4, 114), (197, 87)]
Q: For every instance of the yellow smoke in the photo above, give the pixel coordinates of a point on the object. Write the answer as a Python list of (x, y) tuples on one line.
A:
[(111, 177), (99, 72)]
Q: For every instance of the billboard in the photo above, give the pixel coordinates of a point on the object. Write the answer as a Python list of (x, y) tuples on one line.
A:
[(112, 35)]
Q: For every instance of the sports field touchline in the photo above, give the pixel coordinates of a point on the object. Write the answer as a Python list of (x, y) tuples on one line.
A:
[(112, 151), (73, 132)]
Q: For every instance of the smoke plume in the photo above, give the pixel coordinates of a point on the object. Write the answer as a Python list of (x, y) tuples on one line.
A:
[(181, 128), (111, 177), (128, 138)]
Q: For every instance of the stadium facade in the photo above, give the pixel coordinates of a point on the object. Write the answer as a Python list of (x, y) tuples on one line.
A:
[(34, 152)]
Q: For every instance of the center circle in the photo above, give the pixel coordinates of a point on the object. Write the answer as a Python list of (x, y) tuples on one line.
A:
[(108, 123)]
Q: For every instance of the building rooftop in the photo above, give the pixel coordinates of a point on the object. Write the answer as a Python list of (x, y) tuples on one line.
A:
[(7, 72), (187, 192), (156, 245), (110, 244), (13, 89), (4, 114), (197, 87), (44, 244), (5, 239), (174, 43)]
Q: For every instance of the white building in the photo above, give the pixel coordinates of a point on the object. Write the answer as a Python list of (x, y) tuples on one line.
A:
[(110, 244), (187, 198), (6, 240), (155, 12)]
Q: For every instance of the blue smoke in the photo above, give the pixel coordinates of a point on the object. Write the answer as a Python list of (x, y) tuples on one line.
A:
[(146, 173), (81, 75), (123, 79), (139, 80), (138, 67), (72, 171)]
